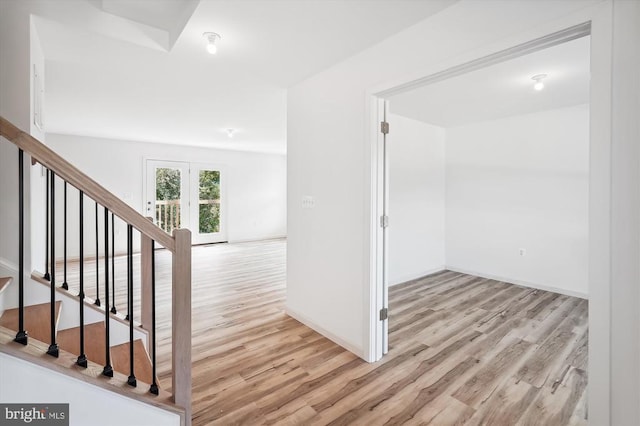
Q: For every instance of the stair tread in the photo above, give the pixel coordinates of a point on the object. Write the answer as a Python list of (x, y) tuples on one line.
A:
[(141, 362), (4, 282), (36, 320), (94, 341)]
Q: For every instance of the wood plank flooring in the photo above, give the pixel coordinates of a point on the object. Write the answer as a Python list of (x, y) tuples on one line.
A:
[(463, 350)]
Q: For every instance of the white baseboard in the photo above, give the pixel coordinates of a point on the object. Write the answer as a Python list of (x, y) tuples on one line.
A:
[(553, 289), (251, 240), (329, 335), (410, 277)]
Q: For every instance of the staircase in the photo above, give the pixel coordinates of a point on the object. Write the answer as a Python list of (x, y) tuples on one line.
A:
[(38, 324), (44, 323)]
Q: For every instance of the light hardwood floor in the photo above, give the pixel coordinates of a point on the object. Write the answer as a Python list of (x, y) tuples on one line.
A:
[(463, 350)]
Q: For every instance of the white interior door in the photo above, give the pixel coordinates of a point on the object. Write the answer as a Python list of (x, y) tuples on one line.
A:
[(167, 198), (380, 322), (385, 228), (208, 201)]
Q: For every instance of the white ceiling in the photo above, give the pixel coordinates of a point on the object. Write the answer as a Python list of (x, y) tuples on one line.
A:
[(168, 15), (504, 89), (128, 86)]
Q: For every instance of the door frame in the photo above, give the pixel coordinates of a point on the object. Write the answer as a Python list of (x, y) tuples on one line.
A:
[(597, 23)]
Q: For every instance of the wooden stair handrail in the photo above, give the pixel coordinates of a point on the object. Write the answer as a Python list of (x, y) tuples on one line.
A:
[(179, 244), (61, 167)]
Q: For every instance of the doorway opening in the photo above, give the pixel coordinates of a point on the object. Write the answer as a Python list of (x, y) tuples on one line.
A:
[(482, 194), (187, 195)]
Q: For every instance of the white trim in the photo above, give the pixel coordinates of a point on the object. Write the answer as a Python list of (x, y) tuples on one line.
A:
[(10, 266), (374, 341), (563, 36), (252, 240), (600, 205), (415, 276), (326, 333), (552, 289), (370, 272), (143, 199)]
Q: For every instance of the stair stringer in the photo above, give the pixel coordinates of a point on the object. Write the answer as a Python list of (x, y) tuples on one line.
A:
[(31, 375)]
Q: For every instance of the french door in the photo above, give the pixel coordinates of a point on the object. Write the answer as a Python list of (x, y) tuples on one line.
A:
[(187, 195)]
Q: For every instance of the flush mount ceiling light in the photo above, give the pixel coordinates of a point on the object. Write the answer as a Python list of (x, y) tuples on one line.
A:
[(539, 85), (212, 39), (230, 132)]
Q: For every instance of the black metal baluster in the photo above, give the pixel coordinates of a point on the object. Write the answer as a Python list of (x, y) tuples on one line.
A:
[(132, 378), (46, 227), (65, 285), (53, 347), (97, 302), (113, 265), (82, 358), (128, 268), (154, 385), (108, 370), (21, 335)]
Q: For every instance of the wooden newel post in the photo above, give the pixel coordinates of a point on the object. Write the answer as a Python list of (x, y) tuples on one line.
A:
[(145, 288), (181, 321)]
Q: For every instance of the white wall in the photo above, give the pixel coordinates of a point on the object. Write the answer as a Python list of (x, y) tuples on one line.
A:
[(625, 214), (20, 51), (256, 185), (416, 198), (330, 124), (15, 106), (521, 182), (329, 148), (38, 181), (25, 382)]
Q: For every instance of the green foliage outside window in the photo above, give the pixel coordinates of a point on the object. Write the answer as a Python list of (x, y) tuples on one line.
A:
[(168, 198), (167, 184), (209, 205), (168, 189)]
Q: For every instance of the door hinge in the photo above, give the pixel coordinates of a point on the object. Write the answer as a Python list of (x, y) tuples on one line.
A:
[(384, 127), (384, 221), (384, 314)]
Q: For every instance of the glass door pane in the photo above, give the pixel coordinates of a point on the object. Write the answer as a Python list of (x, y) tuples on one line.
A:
[(209, 201), (168, 194), (208, 194)]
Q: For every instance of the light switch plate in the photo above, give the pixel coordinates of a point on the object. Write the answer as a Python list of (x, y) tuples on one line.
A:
[(308, 202)]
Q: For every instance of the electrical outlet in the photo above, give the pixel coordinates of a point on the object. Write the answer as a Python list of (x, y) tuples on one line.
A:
[(522, 252), (308, 202)]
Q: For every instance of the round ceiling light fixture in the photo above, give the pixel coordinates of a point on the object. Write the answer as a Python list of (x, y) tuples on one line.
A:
[(539, 85), (212, 40)]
